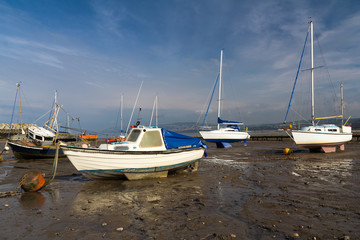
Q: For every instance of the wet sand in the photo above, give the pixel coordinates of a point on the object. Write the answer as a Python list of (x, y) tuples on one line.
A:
[(253, 192)]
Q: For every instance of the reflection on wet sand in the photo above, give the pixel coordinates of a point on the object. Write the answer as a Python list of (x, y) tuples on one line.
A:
[(32, 200)]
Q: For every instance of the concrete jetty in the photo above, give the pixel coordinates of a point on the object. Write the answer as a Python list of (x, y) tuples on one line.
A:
[(15, 128)]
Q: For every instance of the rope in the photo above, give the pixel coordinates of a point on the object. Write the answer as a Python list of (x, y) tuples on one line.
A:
[(8, 194), (55, 164)]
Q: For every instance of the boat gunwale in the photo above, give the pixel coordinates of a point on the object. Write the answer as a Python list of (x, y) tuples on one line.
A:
[(326, 133), (125, 152)]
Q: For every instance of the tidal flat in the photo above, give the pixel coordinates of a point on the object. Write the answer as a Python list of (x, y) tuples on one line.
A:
[(244, 192)]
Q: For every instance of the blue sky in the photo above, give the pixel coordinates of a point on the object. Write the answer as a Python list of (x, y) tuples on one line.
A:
[(91, 52)]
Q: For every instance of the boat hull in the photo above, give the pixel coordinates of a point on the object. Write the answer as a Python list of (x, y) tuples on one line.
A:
[(24, 151), (108, 164), (222, 136), (315, 140)]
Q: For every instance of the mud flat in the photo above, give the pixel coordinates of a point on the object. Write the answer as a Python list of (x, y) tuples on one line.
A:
[(253, 192)]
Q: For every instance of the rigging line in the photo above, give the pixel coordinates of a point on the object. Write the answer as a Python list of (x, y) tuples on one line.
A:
[(327, 71), (207, 100), (207, 111), (43, 116), (117, 116), (297, 74), (52, 107), (12, 115), (132, 113), (301, 116)]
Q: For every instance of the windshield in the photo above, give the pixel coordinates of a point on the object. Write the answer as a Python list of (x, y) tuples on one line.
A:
[(133, 135)]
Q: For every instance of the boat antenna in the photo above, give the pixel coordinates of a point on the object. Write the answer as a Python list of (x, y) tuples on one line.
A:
[(138, 118)]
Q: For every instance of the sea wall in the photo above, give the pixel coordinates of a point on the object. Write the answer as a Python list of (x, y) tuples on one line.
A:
[(15, 128)]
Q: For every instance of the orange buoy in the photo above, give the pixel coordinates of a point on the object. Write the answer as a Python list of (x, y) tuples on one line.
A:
[(287, 151), (32, 181)]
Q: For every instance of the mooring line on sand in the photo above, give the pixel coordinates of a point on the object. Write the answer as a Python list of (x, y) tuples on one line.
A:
[(9, 194)]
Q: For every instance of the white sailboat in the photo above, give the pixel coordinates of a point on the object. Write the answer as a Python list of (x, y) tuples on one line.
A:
[(326, 137), (227, 131)]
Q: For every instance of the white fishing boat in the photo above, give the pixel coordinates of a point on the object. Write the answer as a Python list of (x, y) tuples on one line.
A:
[(148, 152), (39, 142), (326, 137), (227, 131)]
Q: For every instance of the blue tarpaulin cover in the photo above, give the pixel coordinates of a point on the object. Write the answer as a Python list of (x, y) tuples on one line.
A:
[(176, 140), (229, 122)]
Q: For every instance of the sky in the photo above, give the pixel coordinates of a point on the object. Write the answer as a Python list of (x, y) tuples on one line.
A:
[(92, 52)]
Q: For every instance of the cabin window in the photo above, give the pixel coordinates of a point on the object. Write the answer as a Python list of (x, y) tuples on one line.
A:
[(31, 135), (151, 139), (317, 129), (38, 138), (332, 130), (133, 135)]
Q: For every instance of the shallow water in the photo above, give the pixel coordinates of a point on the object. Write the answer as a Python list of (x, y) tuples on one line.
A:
[(252, 192)]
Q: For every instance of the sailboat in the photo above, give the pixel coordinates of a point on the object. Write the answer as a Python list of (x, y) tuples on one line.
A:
[(227, 131), (325, 137)]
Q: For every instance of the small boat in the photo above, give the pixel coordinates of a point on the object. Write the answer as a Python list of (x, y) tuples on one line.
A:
[(227, 131), (148, 152), (317, 137), (86, 136), (38, 142)]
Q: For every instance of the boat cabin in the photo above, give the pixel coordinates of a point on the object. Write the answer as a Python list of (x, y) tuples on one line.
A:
[(139, 139), (330, 128), (154, 139), (40, 134)]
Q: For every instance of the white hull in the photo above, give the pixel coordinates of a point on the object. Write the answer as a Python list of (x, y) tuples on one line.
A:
[(314, 139), (224, 135), (95, 163)]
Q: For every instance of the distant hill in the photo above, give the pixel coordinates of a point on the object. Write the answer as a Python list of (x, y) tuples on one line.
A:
[(191, 127)]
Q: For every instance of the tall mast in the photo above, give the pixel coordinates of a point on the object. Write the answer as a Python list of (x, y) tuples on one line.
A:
[(220, 84), (21, 123), (121, 114), (312, 72), (156, 111), (342, 102)]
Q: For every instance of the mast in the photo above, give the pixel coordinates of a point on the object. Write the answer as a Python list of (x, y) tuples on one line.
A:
[(155, 106), (121, 114), (21, 123), (312, 72), (156, 111), (220, 83), (342, 102)]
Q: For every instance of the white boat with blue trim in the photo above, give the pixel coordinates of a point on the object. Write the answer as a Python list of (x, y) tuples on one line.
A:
[(227, 131), (148, 152), (316, 137)]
